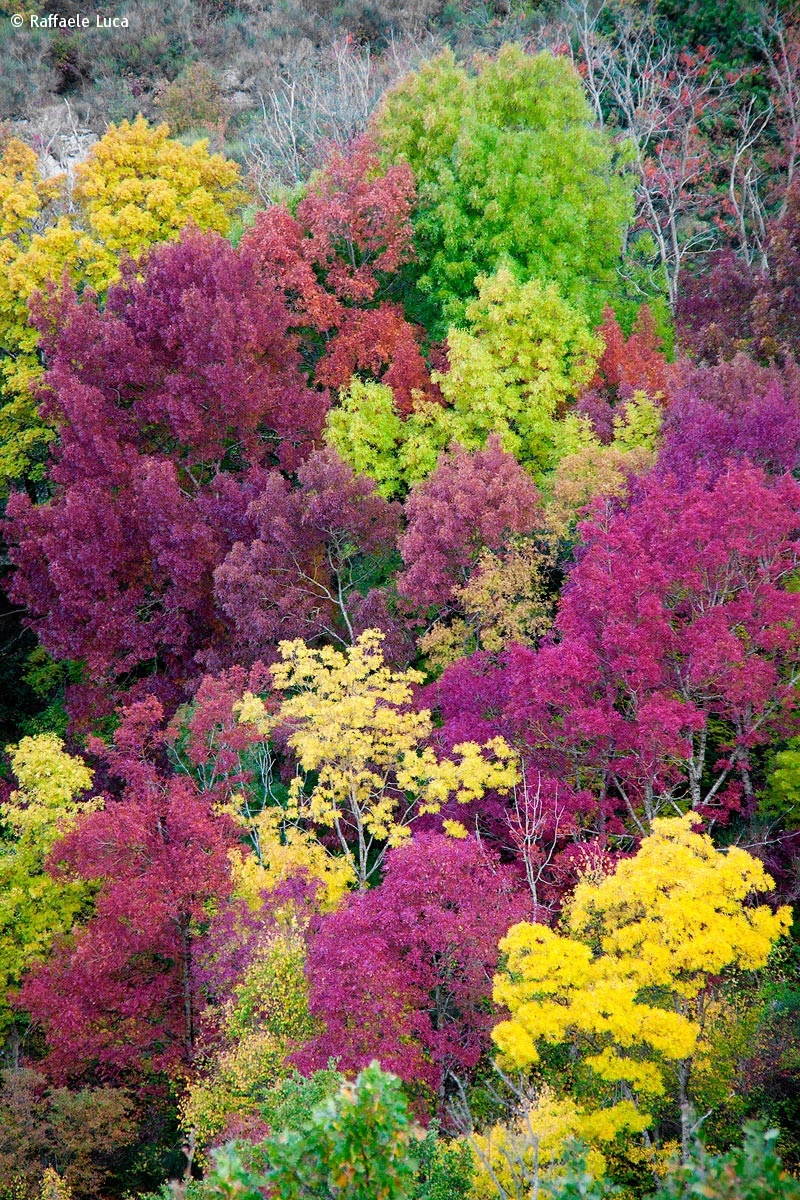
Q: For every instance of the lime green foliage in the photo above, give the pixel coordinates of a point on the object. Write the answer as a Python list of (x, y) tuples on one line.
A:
[(514, 371), (604, 470), (509, 165), (266, 1017), (368, 433), (137, 188), (526, 355), (34, 907), (781, 799), (628, 984), (356, 1145)]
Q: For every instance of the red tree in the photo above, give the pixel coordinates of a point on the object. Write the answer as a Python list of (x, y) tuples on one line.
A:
[(678, 643), (173, 403), (299, 575), (119, 998), (674, 656), (627, 365), (334, 257)]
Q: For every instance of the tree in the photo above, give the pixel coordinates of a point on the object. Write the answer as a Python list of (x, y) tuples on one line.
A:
[(401, 971), (174, 401), (628, 983), (663, 100), (735, 307), (43, 1127), (752, 1171), (35, 908), (358, 1143), (261, 1016), (515, 371), (473, 501), (626, 367), (471, 560), (313, 548), (137, 188), (120, 997), (677, 646), (508, 165), (733, 411), (335, 256), (366, 771)]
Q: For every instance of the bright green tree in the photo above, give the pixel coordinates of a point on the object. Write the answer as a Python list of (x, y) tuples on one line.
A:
[(509, 165), (515, 370)]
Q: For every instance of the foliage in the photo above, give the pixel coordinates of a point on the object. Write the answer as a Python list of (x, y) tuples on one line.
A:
[(288, 1103), (263, 1018), (525, 355), (627, 982), (675, 652), (401, 971), (508, 165), (137, 188), (161, 452), (445, 1169), (361, 746), (120, 994), (140, 187), (735, 307), (358, 1143), (781, 799), (733, 410), (471, 502), (313, 549), (35, 908), (79, 1132), (431, 586), (513, 372), (334, 256), (752, 1171), (469, 556), (538, 1153)]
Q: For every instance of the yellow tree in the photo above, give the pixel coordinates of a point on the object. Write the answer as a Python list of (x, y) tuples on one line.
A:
[(365, 769), (263, 1019), (137, 188), (628, 983), (34, 907)]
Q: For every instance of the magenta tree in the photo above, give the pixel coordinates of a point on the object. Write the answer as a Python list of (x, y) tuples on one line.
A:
[(403, 972)]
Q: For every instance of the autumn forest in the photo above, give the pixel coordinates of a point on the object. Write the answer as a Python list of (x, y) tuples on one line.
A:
[(400, 614)]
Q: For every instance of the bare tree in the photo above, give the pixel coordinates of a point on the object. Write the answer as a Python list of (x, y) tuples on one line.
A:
[(661, 101), (326, 100), (779, 44), (513, 1163), (746, 184)]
